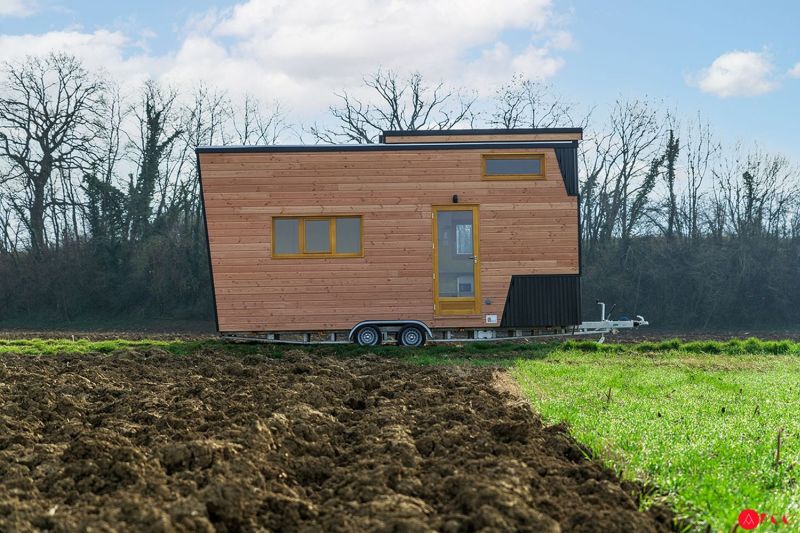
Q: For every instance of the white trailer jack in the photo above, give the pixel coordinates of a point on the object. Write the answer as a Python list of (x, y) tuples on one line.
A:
[(606, 325)]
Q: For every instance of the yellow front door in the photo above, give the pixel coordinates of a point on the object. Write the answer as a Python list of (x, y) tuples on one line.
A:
[(456, 260)]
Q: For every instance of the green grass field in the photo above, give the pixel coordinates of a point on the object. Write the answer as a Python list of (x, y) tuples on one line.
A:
[(698, 421), (701, 427)]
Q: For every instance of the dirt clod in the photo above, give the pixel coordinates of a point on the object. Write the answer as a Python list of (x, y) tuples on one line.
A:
[(145, 441)]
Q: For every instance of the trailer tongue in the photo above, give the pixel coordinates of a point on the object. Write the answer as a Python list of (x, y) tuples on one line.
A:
[(606, 325)]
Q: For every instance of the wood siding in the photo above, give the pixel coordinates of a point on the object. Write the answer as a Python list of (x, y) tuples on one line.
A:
[(526, 227)]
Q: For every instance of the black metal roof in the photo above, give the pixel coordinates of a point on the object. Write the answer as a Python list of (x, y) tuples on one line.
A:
[(485, 131)]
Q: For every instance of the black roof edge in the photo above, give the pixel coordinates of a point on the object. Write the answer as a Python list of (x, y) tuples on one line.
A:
[(485, 131), (381, 147)]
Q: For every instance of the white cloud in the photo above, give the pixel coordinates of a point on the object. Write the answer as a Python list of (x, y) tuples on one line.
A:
[(16, 8), (497, 63), (737, 74), (102, 50), (301, 51), (794, 72), (562, 40)]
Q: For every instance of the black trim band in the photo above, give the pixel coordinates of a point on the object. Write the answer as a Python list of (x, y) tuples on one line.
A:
[(399, 147)]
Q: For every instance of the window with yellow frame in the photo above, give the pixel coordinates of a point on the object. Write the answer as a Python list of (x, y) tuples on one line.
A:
[(513, 166), (317, 236)]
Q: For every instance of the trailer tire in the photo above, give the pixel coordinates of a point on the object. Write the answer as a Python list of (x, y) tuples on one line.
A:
[(412, 336), (368, 336)]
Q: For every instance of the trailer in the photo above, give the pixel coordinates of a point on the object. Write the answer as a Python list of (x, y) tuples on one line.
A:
[(426, 235)]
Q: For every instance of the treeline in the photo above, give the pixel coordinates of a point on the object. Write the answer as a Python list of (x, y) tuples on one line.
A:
[(690, 233), (100, 216)]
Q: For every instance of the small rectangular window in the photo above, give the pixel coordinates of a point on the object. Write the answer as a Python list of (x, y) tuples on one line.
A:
[(348, 235), (286, 236), (315, 236), (513, 166), (318, 236)]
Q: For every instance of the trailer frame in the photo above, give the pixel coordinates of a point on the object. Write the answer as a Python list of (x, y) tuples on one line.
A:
[(446, 335)]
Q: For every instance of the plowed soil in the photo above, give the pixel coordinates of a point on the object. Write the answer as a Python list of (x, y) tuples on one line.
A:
[(149, 441)]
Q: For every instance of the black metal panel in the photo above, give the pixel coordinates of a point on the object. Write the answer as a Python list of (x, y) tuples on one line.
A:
[(542, 300), (568, 162)]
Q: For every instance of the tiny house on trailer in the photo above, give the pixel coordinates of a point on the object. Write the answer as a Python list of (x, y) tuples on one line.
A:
[(427, 234)]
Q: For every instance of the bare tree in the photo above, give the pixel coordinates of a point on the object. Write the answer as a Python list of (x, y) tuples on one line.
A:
[(255, 125), (105, 204), (156, 135), (525, 103), (757, 192), (701, 150), (401, 104), (670, 158), (205, 121), (619, 167), (48, 122), (8, 235), (110, 145)]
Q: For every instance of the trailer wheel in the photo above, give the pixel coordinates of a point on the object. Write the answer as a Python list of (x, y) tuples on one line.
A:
[(411, 336), (368, 336)]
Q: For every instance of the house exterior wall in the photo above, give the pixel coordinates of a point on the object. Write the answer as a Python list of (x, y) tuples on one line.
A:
[(526, 227)]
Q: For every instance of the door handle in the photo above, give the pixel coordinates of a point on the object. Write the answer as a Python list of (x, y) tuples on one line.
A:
[(474, 259)]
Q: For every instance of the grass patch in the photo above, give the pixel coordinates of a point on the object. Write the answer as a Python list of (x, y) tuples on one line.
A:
[(52, 346), (474, 352), (699, 420), (729, 347), (84, 346)]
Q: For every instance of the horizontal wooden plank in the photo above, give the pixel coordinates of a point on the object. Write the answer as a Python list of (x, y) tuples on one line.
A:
[(305, 315), (400, 182), (311, 304), (537, 203)]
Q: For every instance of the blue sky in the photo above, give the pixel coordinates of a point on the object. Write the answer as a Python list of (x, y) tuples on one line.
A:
[(592, 52), (637, 47)]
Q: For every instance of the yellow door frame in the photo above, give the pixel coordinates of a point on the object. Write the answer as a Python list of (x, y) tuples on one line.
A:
[(440, 304)]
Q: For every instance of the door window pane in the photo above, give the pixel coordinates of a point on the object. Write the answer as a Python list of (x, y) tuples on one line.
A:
[(465, 285), (464, 239), (287, 236), (456, 265), (318, 236), (348, 235)]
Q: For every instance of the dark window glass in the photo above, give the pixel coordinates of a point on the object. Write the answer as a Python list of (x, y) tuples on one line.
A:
[(348, 235), (287, 236), (511, 167), (318, 236)]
